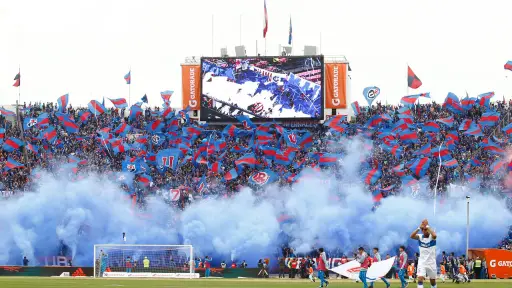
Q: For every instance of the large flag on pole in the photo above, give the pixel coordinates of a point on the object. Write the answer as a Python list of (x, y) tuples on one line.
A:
[(128, 77), (290, 32), (17, 78), (412, 80), (265, 28)]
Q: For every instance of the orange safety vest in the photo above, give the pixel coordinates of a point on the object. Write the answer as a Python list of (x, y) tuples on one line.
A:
[(410, 270), (443, 270), (462, 269)]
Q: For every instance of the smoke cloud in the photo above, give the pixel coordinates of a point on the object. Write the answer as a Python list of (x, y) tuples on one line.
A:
[(324, 210)]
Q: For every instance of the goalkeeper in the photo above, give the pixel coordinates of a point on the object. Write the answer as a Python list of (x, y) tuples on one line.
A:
[(103, 262)]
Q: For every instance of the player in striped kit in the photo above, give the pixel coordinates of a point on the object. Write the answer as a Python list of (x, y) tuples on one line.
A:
[(427, 266), (377, 258), (402, 267)]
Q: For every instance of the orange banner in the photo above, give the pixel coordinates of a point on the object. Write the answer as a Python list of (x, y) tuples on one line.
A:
[(499, 262), (335, 85), (191, 77)]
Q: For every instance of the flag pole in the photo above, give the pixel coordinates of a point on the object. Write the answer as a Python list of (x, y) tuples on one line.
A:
[(129, 88), (212, 37), (240, 29), (19, 86)]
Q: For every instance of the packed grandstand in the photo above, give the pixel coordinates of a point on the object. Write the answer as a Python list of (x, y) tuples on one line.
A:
[(414, 149)]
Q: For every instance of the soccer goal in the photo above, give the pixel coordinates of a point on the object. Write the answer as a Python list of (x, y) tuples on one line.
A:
[(144, 261)]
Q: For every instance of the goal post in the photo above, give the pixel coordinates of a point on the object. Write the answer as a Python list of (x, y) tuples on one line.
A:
[(144, 261)]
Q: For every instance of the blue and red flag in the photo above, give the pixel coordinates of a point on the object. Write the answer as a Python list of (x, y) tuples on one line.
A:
[(291, 138), (246, 122), (377, 195), (215, 167), (6, 112), (50, 134), (508, 65), (328, 159), (408, 181), (420, 166), (489, 118), (431, 127), (62, 103), (452, 163), (230, 175), (356, 108), (70, 125), (467, 103), (408, 136), (465, 124), (453, 135), (119, 102), (123, 129), (474, 130), (372, 176), (441, 152), (121, 148), (484, 99), (2, 134), (248, 159), (29, 123), (508, 130), (306, 140), (32, 148), (11, 144), (166, 95), (144, 179), (335, 123), (201, 185), (229, 130), (399, 170), (452, 103), (43, 120), (169, 158), (395, 150), (409, 100), (412, 80), (425, 150), (285, 157), (96, 108), (155, 126), (447, 121), (262, 178), (374, 122), (128, 77), (135, 111), (12, 164)]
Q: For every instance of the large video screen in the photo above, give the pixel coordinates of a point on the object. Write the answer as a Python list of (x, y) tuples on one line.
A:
[(262, 88)]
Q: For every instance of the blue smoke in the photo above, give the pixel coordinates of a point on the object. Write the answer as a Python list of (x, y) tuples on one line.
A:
[(332, 211)]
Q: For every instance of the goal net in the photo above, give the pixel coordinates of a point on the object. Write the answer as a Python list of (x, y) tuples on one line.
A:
[(156, 261)]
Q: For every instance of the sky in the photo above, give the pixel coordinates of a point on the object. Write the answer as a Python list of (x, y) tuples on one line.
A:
[(84, 48)]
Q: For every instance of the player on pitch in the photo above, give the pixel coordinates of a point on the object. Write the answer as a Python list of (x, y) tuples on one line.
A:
[(427, 266)]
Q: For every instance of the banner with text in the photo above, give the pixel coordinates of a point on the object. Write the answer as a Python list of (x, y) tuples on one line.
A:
[(336, 85), (190, 75)]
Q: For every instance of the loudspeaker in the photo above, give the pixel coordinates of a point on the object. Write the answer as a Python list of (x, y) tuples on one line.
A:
[(240, 51), (309, 50), (223, 52)]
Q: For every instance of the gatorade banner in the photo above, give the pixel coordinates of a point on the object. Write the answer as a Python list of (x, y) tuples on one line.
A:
[(336, 85), (499, 263), (190, 77)]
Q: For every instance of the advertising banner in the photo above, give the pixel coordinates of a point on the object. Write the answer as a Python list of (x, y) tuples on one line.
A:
[(262, 88), (336, 85), (45, 271), (190, 76), (499, 263)]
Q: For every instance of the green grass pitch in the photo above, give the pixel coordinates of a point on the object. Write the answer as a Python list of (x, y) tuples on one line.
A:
[(32, 282)]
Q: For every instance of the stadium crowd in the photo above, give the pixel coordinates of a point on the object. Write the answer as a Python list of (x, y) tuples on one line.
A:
[(406, 143)]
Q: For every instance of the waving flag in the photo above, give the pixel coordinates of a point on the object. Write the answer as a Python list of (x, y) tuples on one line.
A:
[(474, 130), (144, 99), (489, 118), (230, 175), (12, 164), (452, 103), (246, 122), (372, 176), (265, 28), (408, 181), (169, 158), (467, 103), (262, 178), (395, 150), (128, 77), (119, 102), (335, 123), (123, 129), (447, 121), (508, 129), (497, 166), (96, 108), (2, 134), (420, 166), (291, 138), (62, 102), (135, 111), (408, 136), (50, 134), (166, 95), (431, 127), (248, 159), (412, 80), (306, 140), (17, 80), (11, 144), (70, 125), (121, 148), (145, 180), (356, 108), (29, 123), (155, 126), (508, 65), (33, 148), (484, 99), (409, 100), (215, 167), (328, 159), (6, 112), (370, 94)]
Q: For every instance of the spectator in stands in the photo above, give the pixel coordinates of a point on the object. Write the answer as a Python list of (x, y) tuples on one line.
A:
[(25, 261), (223, 265)]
